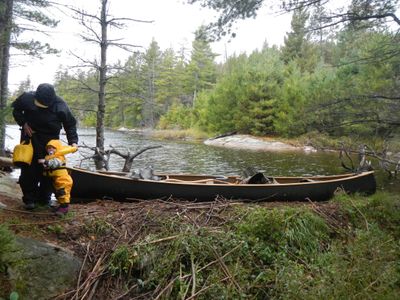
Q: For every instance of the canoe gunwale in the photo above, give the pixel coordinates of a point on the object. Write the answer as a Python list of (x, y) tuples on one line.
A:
[(316, 180)]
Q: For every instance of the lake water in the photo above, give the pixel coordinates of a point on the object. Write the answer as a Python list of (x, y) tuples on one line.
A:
[(194, 157)]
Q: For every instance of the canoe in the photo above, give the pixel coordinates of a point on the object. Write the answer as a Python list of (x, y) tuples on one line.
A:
[(90, 185)]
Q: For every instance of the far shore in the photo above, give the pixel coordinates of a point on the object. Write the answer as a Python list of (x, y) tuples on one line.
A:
[(234, 141)]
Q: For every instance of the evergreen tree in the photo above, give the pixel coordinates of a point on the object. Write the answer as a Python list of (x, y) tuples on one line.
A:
[(16, 17), (294, 41), (127, 93), (151, 71), (359, 12), (167, 82), (201, 68)]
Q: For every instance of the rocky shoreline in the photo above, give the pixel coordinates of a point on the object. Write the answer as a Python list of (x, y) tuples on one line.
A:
[(248, 142), (237, 141)]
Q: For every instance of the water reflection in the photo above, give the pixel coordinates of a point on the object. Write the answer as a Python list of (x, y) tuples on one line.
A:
[(191, 157)]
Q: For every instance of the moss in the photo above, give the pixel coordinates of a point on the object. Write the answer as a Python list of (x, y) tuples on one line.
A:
[(7, 248)]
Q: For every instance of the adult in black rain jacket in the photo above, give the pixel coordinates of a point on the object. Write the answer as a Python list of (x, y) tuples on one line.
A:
[(41, 115)]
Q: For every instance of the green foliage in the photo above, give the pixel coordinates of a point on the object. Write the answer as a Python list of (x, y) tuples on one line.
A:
[(293, 42), (122, 260), (364, 267), (98, 226), (178, 117), (285, 253), (230, 11), (35, 48), (7, 246), (28, 14), (381, 209), (243, 98), (57, 229), (278, 234), (201, 70), (291, 116), (341, 85)]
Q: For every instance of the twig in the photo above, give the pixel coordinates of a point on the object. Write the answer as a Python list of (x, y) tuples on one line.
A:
[(226, 270), (93, 291), (215, 261), (27, 212), (166, 288), (159, 240), (127, 292), (80, 271), (205, 288), (87, 283), (187, 289), (38, 223), (331, 221), (193, 276)]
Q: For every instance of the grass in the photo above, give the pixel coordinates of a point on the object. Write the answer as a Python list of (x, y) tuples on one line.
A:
[(181, 134), (281, 253)]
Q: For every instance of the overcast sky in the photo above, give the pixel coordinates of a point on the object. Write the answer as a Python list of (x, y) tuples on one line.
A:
[(173, 26)]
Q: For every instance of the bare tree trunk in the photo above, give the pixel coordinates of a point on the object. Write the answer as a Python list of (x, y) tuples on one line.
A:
[(6, 8), (101, 39), (102, 82)]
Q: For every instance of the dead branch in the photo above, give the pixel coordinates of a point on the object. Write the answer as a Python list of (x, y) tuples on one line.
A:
[(390, 165), (225, 270), (129, 157), (344, 153)]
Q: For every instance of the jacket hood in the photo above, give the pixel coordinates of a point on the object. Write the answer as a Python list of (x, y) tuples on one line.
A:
[(45, 95), (56, 144)]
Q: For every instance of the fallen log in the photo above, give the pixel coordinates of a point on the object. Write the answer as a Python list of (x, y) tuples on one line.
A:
[(6, 162)]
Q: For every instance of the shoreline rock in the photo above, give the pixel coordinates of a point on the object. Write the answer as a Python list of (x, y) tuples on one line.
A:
[(248, 142), (45, 270), (9, 187)]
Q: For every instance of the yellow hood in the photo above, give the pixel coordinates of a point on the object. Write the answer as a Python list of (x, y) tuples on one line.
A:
[(56, 144), (60, 148)]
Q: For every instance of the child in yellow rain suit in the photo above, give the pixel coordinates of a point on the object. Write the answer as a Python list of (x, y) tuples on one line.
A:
[(54, 167)]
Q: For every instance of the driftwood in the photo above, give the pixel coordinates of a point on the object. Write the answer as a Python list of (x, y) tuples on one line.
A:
[(104, 156), (224, 135), (389, 163), (129, 157)]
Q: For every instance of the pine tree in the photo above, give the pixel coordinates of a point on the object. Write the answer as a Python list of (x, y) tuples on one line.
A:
[(15, 17), (202, 68)]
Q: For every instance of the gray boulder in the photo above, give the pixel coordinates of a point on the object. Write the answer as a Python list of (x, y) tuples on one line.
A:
[(43, 270)]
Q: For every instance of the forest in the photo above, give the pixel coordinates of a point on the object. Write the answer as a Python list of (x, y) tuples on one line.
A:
[(339, 80)]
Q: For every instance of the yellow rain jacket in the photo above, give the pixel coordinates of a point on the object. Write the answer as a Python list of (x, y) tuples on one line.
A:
[(54, 167)]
